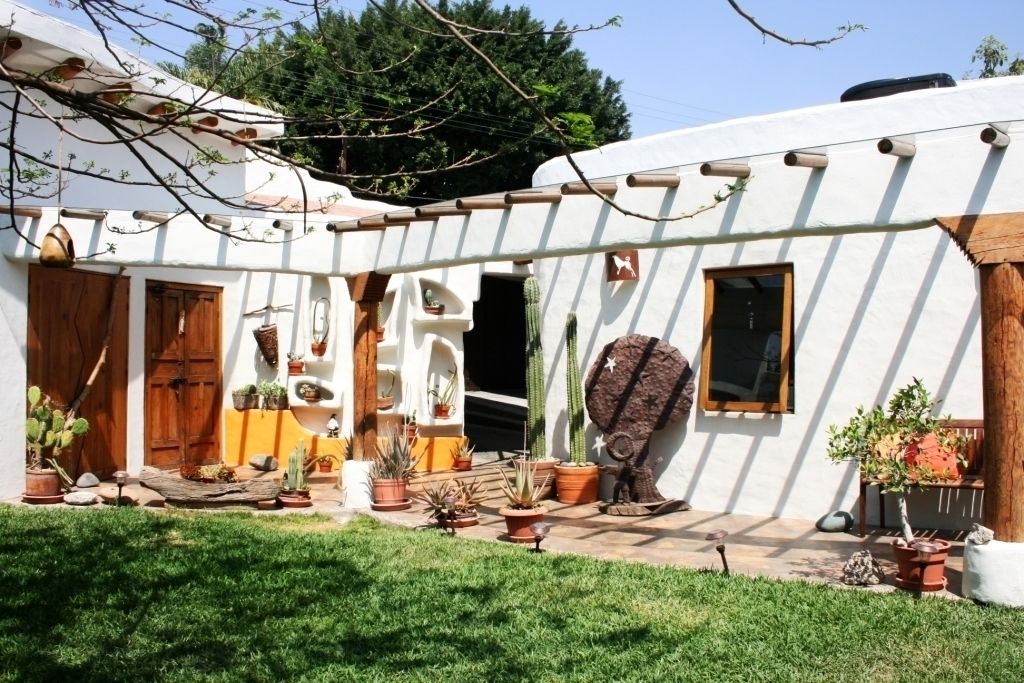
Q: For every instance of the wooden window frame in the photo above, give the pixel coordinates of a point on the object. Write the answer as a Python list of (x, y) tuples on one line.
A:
[(786, 345)]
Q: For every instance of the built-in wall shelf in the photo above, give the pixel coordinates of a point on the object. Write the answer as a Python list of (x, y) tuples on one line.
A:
[(330, 399)]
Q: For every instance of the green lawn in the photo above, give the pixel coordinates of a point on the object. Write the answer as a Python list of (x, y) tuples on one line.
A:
[(122, 594)]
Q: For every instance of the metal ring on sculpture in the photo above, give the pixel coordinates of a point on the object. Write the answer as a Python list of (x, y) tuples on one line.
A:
[(620, 446)]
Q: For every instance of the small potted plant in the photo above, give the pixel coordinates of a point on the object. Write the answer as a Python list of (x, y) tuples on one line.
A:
[(386, 398), (321, 326), (524, 495), (324, 461), (309, 392), (431, 304), (409, 427), (444, 399), (48, 431), (463, 461), (296, 366), (294, 489), (275, 395), (245, 397), (577, 480), (899, 448), (391, 470), (453, 504)]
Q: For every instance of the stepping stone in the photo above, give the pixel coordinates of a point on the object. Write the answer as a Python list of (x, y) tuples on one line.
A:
[(81, 498), (265, 463)]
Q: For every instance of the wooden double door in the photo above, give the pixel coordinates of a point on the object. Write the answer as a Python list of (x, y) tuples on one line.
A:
[(183, 374)]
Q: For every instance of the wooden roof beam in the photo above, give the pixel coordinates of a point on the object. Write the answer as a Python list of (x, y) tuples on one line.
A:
[(996, 137), (87, 214), (152, 216), (471, 203), (653, 180), (897, 148), (806, 159), (534, 197), (728, 170), (439, 211), (607, 188)]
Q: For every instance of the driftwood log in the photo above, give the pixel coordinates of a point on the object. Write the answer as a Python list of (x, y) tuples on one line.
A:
[(184, 491)]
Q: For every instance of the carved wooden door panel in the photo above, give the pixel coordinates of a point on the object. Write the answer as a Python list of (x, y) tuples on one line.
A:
[(183, 374)]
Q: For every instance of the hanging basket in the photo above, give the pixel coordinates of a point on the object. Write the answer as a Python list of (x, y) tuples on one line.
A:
[(266, 339)]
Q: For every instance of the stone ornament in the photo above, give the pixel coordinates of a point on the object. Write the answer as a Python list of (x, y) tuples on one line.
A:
[(636, 386), (862, 569)]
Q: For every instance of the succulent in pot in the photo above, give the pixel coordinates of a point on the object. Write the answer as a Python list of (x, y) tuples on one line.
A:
[(453, 503), (245, 397), (444, 399), (524, 496), (275, 395), (296, 364), (48, 431), (391, 469)]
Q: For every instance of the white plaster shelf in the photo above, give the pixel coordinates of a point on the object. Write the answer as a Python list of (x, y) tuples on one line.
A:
[(429, 320), (296, 401)]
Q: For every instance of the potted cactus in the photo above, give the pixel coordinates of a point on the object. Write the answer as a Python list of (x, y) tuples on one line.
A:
[(576, 481), (48, 431), (294, 489), (431, 304), (275, 395), (524, 497)]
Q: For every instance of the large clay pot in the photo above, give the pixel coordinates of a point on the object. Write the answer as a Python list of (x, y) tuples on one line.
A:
[(389, 491), (577, 485), (518, 522), (42, 486), (909, 574)]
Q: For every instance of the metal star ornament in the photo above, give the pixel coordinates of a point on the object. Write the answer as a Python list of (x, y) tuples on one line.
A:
[(599, 444), (609, 364)]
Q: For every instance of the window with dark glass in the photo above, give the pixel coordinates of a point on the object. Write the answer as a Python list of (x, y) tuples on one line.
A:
[(747, 362)]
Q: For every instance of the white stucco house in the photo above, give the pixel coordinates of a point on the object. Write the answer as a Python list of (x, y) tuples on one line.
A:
[(842, 264)]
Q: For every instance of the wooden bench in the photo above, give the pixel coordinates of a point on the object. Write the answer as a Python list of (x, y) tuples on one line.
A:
[(974, 453)]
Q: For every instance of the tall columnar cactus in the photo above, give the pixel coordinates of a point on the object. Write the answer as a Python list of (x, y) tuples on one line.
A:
[(295, 477), (574, 392), (534, 371)]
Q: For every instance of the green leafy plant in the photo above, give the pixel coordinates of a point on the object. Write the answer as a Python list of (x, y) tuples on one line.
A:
[(272, 389), (522, 492), (880, 440), (245, 390), (394, 459), (294, 478), (49, 428), (446, 396), (295, 355), (464, 451)]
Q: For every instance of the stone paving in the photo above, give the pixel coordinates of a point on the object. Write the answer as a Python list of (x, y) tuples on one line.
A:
[(756, 546)]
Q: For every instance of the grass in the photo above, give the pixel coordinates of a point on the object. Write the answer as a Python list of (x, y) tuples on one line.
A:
[(124, 594)]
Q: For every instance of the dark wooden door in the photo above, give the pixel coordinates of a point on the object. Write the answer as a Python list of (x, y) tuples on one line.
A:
[(68, 315), (183, 374)]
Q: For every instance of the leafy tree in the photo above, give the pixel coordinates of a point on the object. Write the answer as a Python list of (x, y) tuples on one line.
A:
[(350, 84), (992, 53)]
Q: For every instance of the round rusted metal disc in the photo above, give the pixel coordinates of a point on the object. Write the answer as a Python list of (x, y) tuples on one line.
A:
[(638, 384)]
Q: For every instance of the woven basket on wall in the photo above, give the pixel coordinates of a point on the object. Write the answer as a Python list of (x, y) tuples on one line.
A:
[(266, 339)]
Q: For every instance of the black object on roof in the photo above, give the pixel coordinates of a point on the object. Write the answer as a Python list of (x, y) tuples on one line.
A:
[(891, 86)]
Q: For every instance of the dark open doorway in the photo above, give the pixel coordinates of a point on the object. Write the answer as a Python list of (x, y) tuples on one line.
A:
[(495, 366)]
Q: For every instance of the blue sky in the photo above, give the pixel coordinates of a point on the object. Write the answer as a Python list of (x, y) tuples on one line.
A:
[(688, 62)]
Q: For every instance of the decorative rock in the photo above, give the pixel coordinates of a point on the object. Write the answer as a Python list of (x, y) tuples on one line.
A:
[(81, 498), (980, 535), (109, 496), (862, 570), (835, 522), (87, 480), (263, 462)]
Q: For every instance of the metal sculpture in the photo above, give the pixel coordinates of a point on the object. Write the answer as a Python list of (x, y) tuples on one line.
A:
[(637, 385)]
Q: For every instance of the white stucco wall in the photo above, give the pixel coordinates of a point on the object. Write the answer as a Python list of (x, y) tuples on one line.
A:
[(13, 332), (871, 311)]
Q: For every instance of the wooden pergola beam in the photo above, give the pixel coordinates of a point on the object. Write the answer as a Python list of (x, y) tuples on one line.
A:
[(653, 180), (995, 243), (724, 169), (439, 211), (484, 203), (86, 214), (806, 159), (534, 197), (152, 216), (897, 148), (366, 290), (607, 188), (993, 136)]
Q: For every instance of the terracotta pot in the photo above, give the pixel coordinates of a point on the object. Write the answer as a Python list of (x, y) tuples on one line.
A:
[(324, 466), (296, 367), (518, 522), (908, 574), (460, 522), (462, 464), (385, 402), (576, 485), (292, 500), (434, 310), (42, 484), (442, 412), (388, 491), (311, 394), (380, 334), (318, 348), (411, 431)]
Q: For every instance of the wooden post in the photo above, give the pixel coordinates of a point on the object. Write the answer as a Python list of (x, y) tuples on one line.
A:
[(1002, 353), (995, 243), (366, 290)]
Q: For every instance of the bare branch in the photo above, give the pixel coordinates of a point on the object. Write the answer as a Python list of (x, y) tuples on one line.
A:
[(842, 31)]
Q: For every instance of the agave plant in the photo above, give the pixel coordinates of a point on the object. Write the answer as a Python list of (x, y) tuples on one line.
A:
[(47, 427), (522, 492), (394, 459), (465, 497)]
